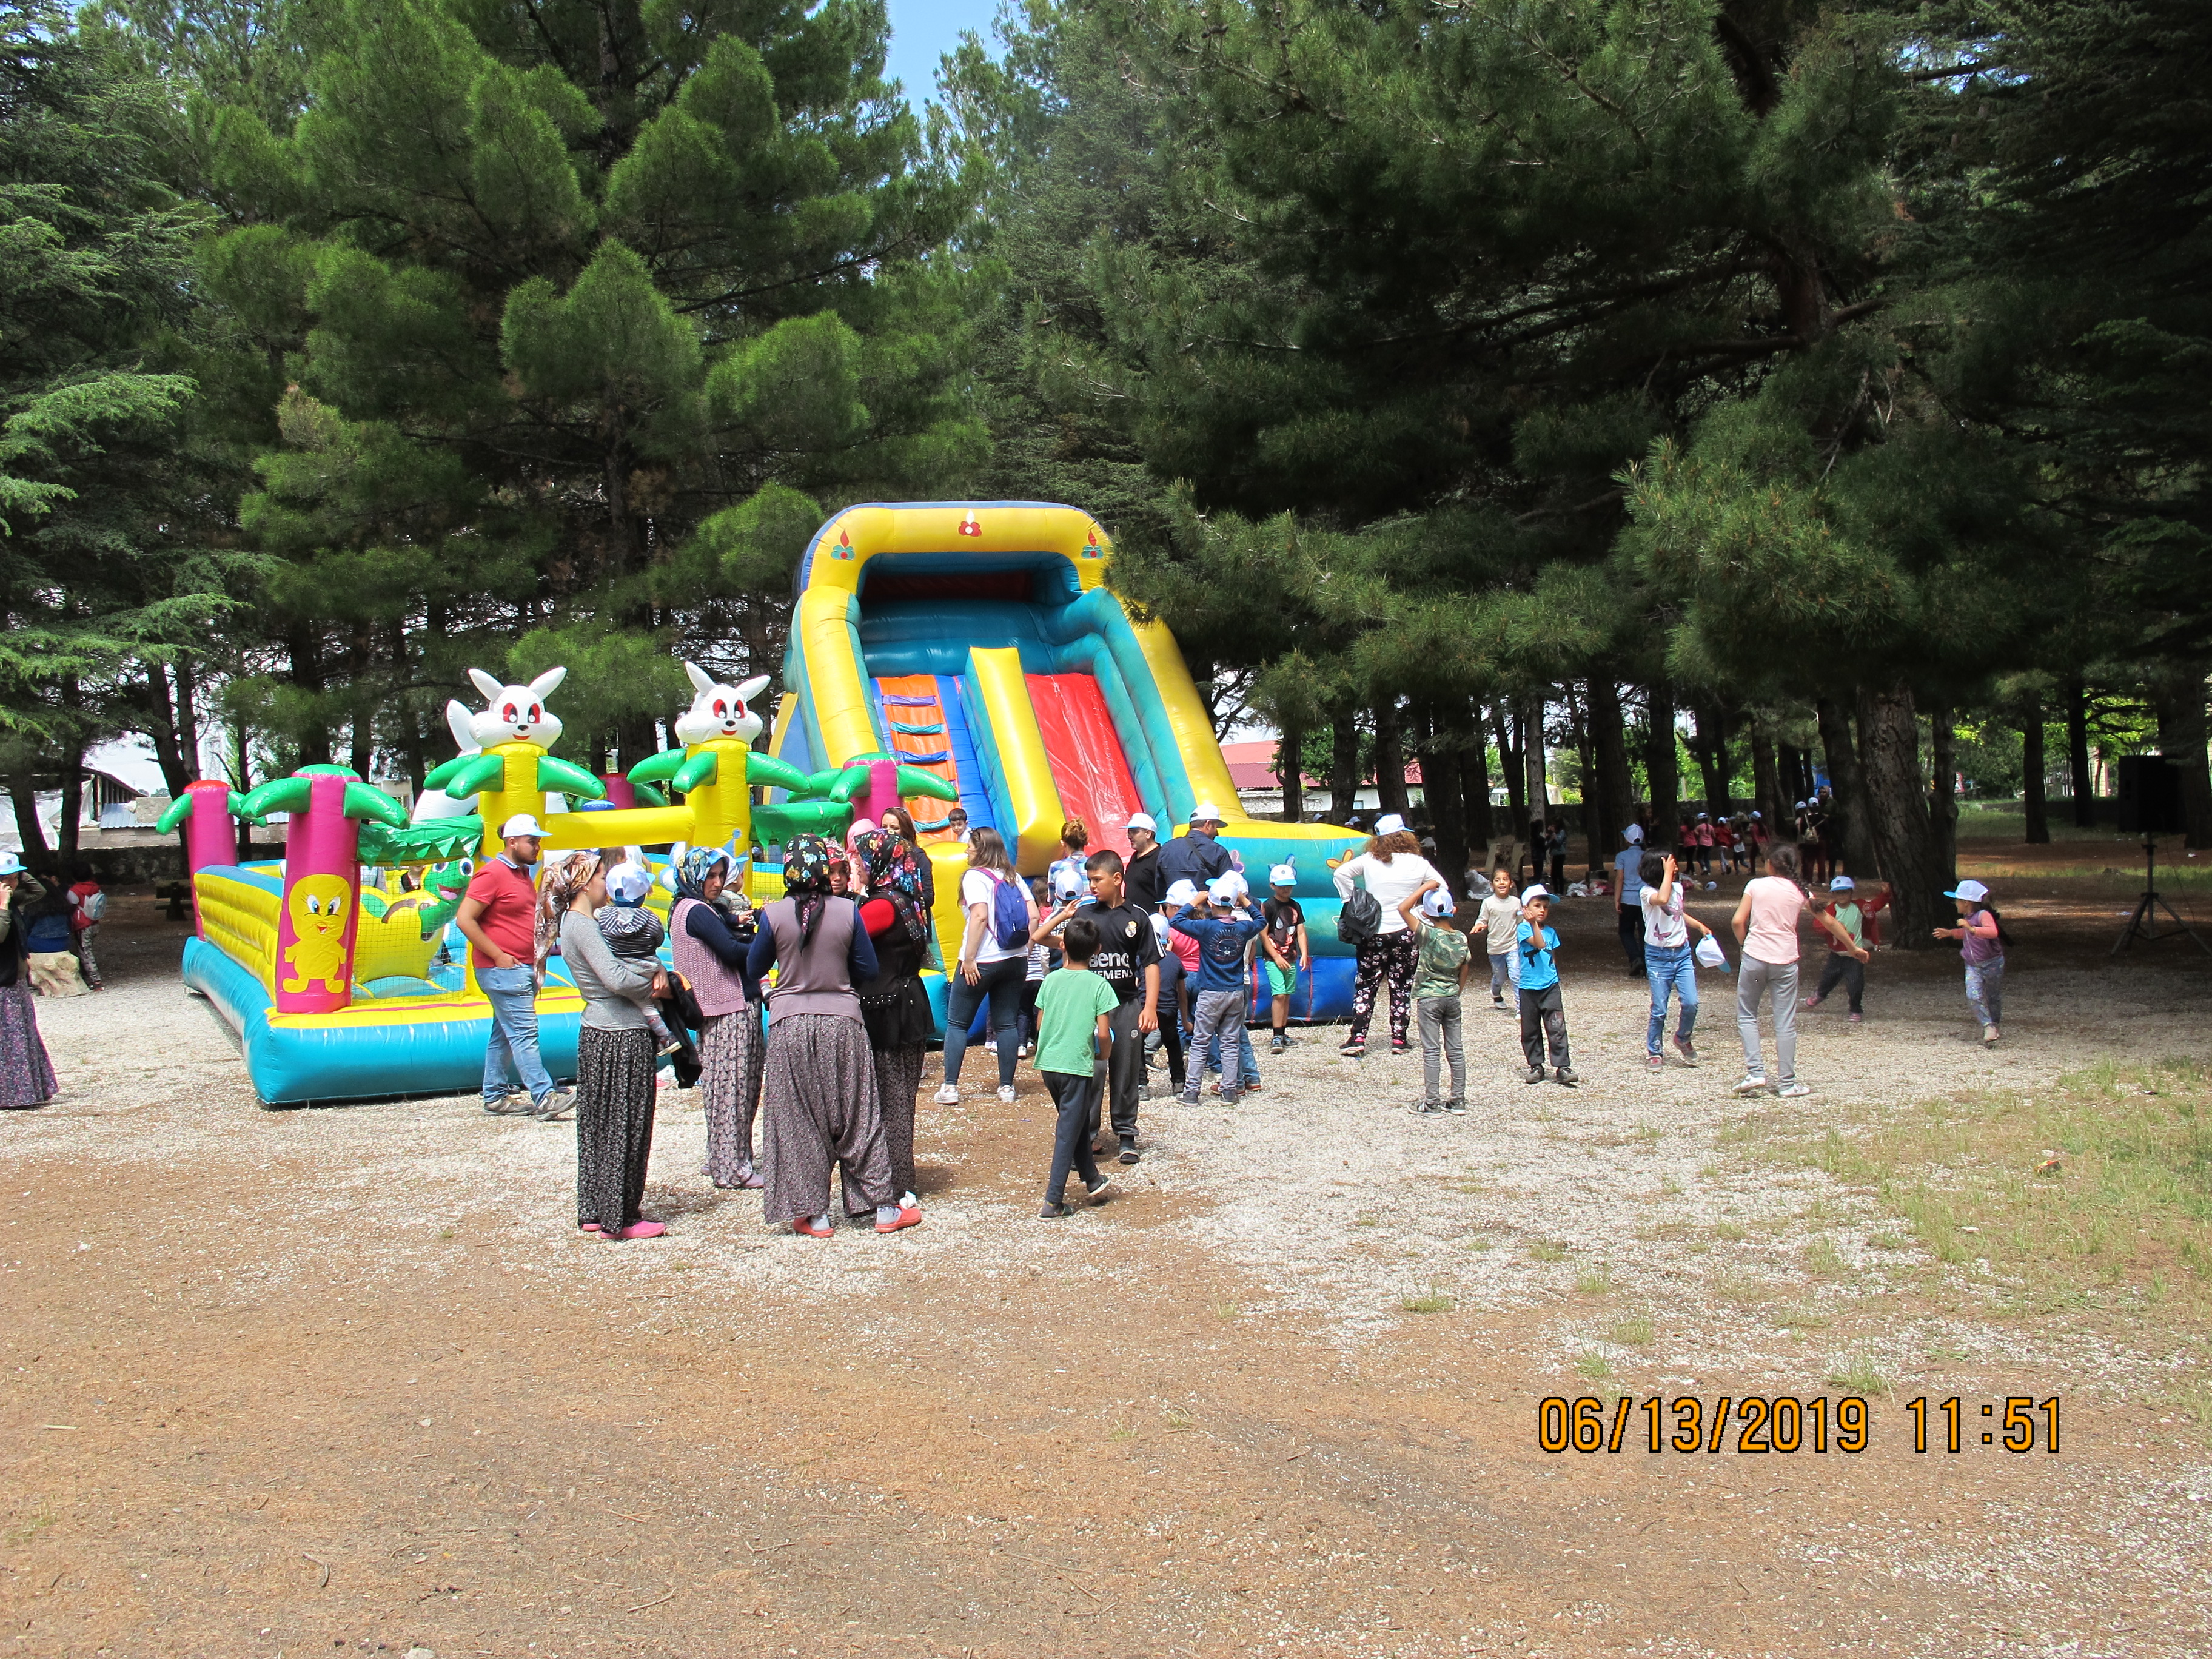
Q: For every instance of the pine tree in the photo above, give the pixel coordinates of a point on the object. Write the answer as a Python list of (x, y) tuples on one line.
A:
[(571, 318)]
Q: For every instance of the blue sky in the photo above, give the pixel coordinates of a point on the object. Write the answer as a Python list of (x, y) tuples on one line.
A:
[(922, 30)]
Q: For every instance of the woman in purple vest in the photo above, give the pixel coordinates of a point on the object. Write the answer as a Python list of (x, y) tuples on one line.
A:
[(818, 1095), (712, 956)]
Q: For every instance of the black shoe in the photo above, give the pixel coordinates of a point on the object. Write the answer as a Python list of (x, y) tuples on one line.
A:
[(1355, 1048), (1535, 1074), (1098, 1188), (1428, 1109), (1566, 1076), (1457, 1106), (1055, 1212), (1129, 1152)]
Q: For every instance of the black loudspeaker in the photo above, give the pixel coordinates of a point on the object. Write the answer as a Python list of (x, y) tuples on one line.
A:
[(2150, 796)]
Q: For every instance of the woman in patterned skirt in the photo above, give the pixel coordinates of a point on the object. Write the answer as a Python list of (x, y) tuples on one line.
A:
[(615, 1051), (711, 955), (894, 1006), (26, 1076), (818, 1095)]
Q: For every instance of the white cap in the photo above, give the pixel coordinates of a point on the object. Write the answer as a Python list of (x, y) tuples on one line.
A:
[(1282, 875), (1702, 815), (1843, 884), (520, 824), (1143, 821), (1205, 812), (1537, 891), (1633, 834), (1802, 805), (1438, 901), (1182, 892), (1972, 891), (1388, 825), (629, 882), (1227, 890), (1754, 814)]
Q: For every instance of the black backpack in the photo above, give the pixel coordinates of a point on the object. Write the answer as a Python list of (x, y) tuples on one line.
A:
[(1359, 918)]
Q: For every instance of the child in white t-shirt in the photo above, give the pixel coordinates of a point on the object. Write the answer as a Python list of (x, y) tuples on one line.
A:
[(1500, 916)]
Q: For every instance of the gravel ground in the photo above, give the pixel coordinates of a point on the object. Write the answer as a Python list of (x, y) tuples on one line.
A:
[(1293, 1452)]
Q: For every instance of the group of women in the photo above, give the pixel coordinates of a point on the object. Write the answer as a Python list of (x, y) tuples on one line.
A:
[(832, 1079)]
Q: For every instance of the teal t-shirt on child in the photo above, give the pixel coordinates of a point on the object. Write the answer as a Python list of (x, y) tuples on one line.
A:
[(1538, 971), (1068, 1005)]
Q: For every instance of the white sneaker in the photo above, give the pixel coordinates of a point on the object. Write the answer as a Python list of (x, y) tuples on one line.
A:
[(1006, 1093), (1750, 1085), (1791, 1091), (947, 1095)]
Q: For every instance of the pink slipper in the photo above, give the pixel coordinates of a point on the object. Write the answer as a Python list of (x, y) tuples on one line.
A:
[(908, 1216), (642, 1230), (751, 1181), (587, 1227), (805, 1228)]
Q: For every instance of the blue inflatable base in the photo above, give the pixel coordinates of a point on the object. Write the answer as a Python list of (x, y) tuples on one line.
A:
[(429, 1053)]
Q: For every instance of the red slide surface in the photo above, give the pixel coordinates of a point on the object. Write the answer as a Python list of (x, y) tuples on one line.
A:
[(1084, 751)]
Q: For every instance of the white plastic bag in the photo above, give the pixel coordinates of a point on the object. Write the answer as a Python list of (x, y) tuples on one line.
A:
[(1709, 954)]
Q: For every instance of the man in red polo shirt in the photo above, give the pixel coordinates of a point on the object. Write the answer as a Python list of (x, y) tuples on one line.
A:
[(497, 917)]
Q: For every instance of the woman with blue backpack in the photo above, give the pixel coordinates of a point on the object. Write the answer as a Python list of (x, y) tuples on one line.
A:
[(994, 950)]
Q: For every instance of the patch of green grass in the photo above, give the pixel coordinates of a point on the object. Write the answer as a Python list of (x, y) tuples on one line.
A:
[(1648, 1131), (1669, 1187), (1823, 1259), (445, 1232), (1859, 1374), (1709, 1172), (1545, 1250), (1175, 1419), (2194, 1398), (1428, 1302), (39, 1519), (1800, 1318), (1595, 1281), (1367, 1221), (1121, 1431), (1593, 1365), (1480, 1241), (1631, 1333), (1226, 1311), (2126, 1211), (1728, 1233)]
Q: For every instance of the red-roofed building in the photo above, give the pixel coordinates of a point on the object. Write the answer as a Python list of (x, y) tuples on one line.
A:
[(1252, 769)]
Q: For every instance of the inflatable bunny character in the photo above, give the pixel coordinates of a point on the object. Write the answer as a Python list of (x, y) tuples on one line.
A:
[(718, 710), (517, 715)]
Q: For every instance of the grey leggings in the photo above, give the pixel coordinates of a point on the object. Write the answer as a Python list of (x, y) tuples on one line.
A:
[(1756, 981)]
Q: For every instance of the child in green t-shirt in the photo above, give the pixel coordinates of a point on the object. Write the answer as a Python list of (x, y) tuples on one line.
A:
[(1074, 1027), (1840, 968), (1439, 975)]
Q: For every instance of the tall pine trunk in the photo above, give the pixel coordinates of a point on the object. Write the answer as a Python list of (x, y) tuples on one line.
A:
[(1389, 758), (23, 793), (2077, 755), (1765, 783), (1609, 750), (1943, 796), (1662, 768), (1442, 751), (161, 717), (1897, 814), (1343, 764), (1290, 747), (2178, 697), (1516, 777), (1851, 815), (67, 832), (1474, 779), (1531, 755), (1711, 749), (2035, 809)]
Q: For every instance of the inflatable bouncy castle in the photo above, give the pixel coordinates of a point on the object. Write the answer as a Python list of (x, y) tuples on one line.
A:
[(939, 653), (979, 642)]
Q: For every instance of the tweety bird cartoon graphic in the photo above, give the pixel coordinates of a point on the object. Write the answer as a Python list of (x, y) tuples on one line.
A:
[(317, 953)]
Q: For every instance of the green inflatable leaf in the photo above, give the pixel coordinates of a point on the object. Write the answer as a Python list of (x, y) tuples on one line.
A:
[(853, 780), (566, 778), (479, 771), (173, 814), (648, 796), (279, 795), (365, 802), (436, 777), (657, 768), (700, 768), (913, 780), (419, 843), (774, 824), (770, 772)]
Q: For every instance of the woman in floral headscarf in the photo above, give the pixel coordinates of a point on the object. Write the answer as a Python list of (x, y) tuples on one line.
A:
[(616, 1053), (709, 950), (819, 1096), (894, 1006)]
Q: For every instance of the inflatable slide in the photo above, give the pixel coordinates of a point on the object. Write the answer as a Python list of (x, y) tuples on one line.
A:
[(979, 643)]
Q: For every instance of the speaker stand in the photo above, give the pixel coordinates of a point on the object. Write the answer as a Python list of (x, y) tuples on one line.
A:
[(2144, 923)]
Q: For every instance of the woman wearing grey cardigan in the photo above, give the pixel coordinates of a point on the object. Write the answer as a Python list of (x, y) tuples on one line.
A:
[(615, 1051)]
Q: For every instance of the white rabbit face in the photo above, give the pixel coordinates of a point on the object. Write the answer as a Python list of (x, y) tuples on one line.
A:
[(718, 710), (518, 713)]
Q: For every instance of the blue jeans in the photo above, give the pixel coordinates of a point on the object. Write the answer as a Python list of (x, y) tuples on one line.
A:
[(1985, 990), (1672, 967), (999, 984), (513, 993)]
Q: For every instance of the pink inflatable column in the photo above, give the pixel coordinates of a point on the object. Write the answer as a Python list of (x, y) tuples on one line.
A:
[(883, 790), (621, 791), (320, 913)]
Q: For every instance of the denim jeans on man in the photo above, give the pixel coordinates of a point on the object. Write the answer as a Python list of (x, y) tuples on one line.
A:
[(513, 993), (1672, 967)]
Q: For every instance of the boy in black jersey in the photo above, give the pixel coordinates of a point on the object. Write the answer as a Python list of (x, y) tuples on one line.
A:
[(1284, 942)]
